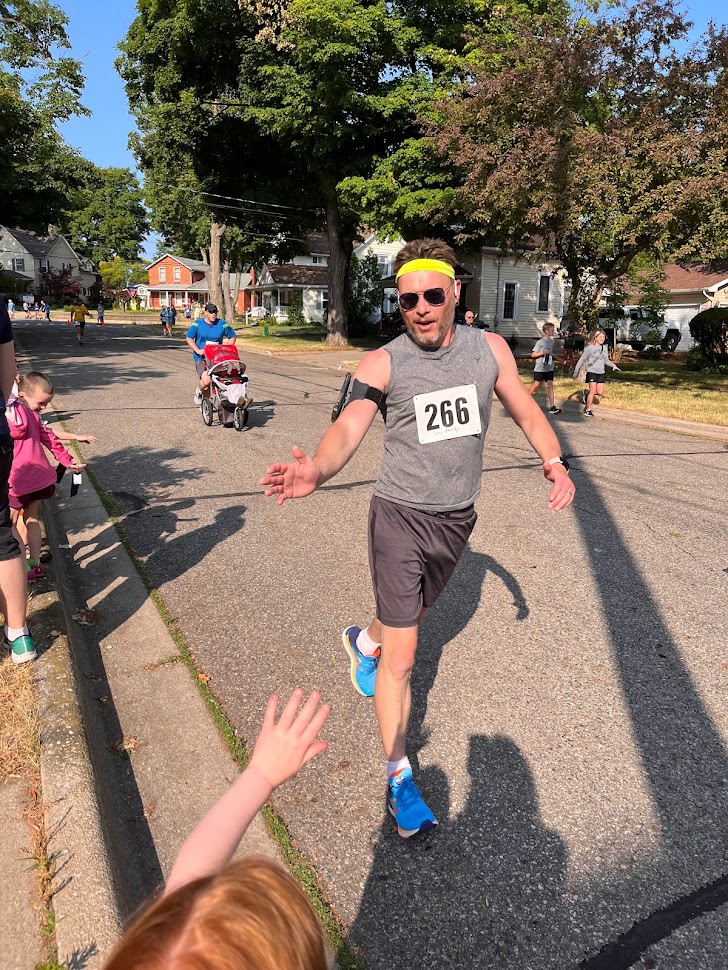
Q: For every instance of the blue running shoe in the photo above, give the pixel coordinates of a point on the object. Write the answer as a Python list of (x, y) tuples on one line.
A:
[(363, 669), (407, 807)]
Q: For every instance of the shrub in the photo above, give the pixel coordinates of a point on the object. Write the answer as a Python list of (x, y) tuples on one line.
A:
[(653, 339), (294, 312), (709, 330), (696, 361)]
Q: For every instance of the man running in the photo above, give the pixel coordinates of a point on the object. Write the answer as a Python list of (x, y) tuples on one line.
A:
[(79, 312), (207, 330), (438, 381)]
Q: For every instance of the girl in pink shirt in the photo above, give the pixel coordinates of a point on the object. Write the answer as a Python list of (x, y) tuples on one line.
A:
[(32, 477)]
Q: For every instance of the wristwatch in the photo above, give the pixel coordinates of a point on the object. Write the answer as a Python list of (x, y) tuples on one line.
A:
[(560, 461)]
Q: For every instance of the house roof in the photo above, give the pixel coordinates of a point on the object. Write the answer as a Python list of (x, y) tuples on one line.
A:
[(698, 276), (317, 243), (291, 275), (32, 243), (194, 264)]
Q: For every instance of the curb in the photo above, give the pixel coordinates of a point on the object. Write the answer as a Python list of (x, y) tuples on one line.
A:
[(84, 897)]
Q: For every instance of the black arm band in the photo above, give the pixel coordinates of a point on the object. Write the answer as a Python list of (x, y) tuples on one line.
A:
[(365, 392)]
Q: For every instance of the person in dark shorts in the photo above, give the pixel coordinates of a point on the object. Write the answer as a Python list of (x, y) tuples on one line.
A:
[(13, 586), (543, 371), (436, 382), (594, 360), (79, 312)]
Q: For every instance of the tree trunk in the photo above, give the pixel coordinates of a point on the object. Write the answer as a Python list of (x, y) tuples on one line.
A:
[(229, 303), (339, 259), (217, 231), (205, 254)]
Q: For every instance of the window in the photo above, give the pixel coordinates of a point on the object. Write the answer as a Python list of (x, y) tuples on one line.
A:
[(510, 300), (544, 293), (19, 265), (44, 265), (318, 260), (385, 266), (176, 274), (65, 266), (162, 274), (324, 300)]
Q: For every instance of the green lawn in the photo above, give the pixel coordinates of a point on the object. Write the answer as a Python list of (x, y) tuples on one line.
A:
[(661, 387)]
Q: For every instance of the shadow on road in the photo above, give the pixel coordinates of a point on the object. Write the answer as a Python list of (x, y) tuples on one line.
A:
[(487, 890)]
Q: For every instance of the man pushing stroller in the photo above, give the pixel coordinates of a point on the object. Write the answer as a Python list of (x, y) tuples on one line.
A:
[(207, 330)]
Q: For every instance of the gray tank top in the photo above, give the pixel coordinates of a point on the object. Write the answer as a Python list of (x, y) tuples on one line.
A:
[(438, 410)]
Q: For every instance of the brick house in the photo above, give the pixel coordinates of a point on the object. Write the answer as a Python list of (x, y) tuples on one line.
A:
[(175, 281)]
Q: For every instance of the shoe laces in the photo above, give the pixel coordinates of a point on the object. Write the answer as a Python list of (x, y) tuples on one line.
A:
[(406, 792)]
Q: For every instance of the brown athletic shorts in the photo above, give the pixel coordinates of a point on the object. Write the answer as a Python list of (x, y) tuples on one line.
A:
[(412, 555)]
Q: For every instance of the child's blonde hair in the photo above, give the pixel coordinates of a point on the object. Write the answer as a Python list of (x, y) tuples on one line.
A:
[(252, 916), (34, 381), (548, 326), (595, 333)]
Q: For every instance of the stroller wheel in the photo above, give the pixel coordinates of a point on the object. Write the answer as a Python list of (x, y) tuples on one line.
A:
[(240, 418), (208, 411)]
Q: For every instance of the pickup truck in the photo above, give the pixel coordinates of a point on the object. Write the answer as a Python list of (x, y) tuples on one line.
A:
[(632, 323)]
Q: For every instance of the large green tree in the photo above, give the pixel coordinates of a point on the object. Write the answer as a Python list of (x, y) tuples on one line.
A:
[(105, 217), (39, 87), (290, 100), (599, 136)]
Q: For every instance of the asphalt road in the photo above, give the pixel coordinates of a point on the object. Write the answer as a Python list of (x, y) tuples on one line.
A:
[(570, 725)]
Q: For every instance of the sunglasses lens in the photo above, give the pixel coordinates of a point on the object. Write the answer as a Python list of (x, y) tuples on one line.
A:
[(435, 296)]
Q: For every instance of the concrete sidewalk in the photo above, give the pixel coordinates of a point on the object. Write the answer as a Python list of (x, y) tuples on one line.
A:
[(131, 758)]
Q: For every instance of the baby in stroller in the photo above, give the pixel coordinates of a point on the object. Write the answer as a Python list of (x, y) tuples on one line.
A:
[(229, 387)]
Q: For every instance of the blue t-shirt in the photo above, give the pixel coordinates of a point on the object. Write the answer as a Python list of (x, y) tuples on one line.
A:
[(203, 332), (6, 337)]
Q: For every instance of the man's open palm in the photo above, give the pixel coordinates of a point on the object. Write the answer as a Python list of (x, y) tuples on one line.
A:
[(294, 479)]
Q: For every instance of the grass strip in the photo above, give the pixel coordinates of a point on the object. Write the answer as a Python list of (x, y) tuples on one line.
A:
[(20, 753), (664, 388), (300, 868)]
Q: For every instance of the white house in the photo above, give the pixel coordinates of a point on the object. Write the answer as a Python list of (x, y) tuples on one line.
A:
[(28, 255), (277, 285), (514, 294)]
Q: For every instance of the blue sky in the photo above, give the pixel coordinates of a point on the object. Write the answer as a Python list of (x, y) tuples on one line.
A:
[(97, 27)]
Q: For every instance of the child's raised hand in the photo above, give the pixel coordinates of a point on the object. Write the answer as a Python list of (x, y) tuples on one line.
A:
[(283, 748)]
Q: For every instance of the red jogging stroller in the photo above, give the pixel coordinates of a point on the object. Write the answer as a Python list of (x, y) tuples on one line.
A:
[(229, 387)]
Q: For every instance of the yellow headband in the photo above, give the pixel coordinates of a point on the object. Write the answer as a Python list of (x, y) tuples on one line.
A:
[(426, 266)]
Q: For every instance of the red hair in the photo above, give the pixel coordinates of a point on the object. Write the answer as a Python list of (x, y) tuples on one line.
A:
[(252, 916)]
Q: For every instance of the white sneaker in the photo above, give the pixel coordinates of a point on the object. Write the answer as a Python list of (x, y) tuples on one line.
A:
[(198, 397)]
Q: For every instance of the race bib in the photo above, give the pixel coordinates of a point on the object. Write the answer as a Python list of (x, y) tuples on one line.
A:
[(450, 413)]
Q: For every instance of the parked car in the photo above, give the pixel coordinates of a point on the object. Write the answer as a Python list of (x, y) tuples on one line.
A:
[(633, 323)]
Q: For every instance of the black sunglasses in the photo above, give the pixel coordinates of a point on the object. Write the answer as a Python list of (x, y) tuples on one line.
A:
[(434, 296)]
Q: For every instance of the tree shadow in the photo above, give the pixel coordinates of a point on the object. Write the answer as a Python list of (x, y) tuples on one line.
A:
[(683, 756)]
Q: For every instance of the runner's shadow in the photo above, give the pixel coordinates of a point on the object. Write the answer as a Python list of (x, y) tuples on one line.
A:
[(446, 620), (463, 896)]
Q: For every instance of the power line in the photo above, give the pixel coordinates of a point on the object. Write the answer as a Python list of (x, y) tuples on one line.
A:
[(232, 198)]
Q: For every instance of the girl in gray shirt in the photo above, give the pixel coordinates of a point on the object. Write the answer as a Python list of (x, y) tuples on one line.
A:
[(595, 358)]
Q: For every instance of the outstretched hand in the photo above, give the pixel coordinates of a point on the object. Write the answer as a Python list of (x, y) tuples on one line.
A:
[(77, 465), (294, 479), (284, 748), (562, 494)]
